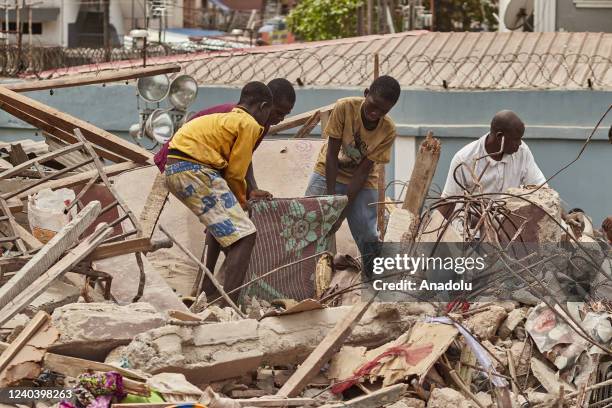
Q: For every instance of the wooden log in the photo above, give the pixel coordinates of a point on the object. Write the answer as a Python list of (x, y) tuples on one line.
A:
[(49, 254), (67, 123), (323, 352), (379, 398), (36, 288), (79, 80), (422, 174)]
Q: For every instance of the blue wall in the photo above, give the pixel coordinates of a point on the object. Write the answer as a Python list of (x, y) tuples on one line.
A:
[(557, 122)]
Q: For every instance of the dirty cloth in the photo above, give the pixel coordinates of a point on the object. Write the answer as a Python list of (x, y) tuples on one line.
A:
[(289, 230), (207, 195), (97, 391)]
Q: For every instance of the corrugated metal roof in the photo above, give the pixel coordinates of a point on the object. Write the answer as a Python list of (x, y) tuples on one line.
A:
[(462, 60)]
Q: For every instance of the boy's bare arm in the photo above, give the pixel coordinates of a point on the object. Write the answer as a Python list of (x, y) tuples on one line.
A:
[(359, 178), (331, 164)]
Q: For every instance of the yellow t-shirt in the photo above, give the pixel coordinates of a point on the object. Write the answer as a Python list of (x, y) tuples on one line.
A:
[(357, 142), (223, 141)]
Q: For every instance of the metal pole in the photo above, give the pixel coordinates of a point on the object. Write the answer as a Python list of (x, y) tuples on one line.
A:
[(370, 17), (18, 30), (106, 31), (30, 55)]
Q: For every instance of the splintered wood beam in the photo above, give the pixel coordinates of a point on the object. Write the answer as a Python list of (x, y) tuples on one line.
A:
[(57, 132), (298, 120), (153, 206), (28, 331), (38, 286), (112, 249), (70, 181), (67, 123), (422, 174), (324, 351), (48, 255), (79, 80), (308, 126)]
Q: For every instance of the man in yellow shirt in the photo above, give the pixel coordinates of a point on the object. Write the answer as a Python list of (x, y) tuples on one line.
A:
[(359, 134), (208, 160)]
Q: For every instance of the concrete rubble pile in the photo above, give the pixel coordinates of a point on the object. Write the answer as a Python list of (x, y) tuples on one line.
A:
[(85, 304)]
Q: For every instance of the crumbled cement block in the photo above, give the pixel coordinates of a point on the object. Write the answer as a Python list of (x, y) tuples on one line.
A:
[(408, 403), (484, 325), (514, 318), (448, 397), (219, 351), (92, 330), (540, 228)]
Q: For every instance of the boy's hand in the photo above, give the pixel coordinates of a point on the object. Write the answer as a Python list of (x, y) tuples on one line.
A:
[(337, 224), (260, 195)]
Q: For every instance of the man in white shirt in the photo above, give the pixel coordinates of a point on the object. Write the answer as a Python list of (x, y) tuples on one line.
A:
[(497, 161)]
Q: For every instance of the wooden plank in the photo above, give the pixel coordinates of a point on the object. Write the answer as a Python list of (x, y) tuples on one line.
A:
[(49, 254), (55, 131), (298, 120), (71, 181), (104, 77), (113, 249), (12, 225), (375, 399), (31, 328), (324, 351), (308, 126), (69, 261), (153, 207), (105, 180), (72, 366), (67, 122), (41, 159)]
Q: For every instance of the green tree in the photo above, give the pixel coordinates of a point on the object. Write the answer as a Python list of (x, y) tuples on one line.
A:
[(314, 20), (465, 15)]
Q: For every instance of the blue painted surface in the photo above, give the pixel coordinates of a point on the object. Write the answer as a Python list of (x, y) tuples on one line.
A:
[(557, 124)]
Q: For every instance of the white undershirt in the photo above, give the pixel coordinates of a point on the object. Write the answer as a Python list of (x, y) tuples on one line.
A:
[(513, 170)]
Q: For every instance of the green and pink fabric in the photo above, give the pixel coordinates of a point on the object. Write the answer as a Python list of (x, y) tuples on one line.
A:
[(289, 230)]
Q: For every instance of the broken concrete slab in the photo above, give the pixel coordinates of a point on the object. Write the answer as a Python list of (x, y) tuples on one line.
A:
[(448, 397), (541, 227), (124, 269), (92, 330), (224, 350), (484, 325), (56, 295), (407, 403)]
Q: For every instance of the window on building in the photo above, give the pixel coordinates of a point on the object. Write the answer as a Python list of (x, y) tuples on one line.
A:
[(593, 3), (25, 27)]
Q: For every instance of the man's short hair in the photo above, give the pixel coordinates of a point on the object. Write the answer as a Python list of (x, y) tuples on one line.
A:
[(386, 87), (255, 92), (282, 90)]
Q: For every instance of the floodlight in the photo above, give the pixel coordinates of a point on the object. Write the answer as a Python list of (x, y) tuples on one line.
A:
[(153, 88), (183, 92), (135, 131), (159, 126)]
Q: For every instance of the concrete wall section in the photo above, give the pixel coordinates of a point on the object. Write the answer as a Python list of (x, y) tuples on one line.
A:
[(593, 19)]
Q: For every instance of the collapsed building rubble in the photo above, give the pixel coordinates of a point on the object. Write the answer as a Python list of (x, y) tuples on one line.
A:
[(91, 305)]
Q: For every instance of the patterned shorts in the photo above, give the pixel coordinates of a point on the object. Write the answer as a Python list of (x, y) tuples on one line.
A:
[(207, 195)]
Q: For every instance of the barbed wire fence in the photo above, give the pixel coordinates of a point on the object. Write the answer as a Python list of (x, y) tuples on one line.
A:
[(316, 68)]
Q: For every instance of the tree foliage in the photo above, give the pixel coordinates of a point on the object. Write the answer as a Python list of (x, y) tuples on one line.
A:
[(313, 20), (466, 15)]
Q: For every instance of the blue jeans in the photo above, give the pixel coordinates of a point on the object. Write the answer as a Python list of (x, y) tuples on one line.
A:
[(361, 217)]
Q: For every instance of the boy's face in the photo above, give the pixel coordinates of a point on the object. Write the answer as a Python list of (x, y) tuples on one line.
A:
[(279, 111), (375, 107)]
